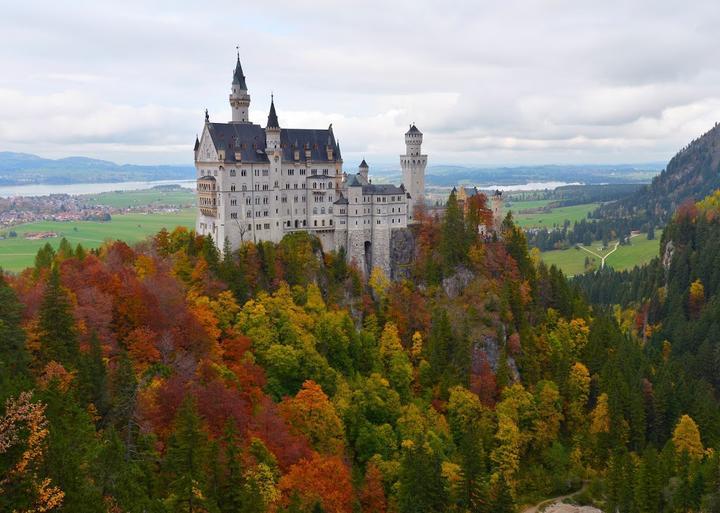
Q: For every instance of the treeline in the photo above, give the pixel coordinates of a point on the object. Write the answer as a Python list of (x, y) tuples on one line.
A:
[(586, 232)]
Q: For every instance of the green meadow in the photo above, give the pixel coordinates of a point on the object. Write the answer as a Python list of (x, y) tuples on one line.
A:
[(19, 253), (555, 217), (572, 261)]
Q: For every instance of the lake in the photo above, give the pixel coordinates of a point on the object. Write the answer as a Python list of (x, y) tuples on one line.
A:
[(10, 191)]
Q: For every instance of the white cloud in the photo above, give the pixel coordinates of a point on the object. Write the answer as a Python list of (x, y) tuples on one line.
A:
[(496, 82)]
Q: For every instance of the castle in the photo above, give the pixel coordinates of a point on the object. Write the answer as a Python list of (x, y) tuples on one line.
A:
[(259, 184)]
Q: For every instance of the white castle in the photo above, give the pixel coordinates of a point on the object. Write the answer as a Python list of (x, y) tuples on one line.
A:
[(259, 184)]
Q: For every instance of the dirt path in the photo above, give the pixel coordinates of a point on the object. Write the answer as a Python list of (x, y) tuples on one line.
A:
[(602, 258), (537, 507)]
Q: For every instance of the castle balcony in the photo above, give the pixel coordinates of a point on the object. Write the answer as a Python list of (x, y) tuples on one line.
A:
[(207, 196)]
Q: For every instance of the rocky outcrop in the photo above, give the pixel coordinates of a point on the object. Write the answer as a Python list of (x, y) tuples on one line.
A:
[(454, 284), (402, 252), (668, 255)]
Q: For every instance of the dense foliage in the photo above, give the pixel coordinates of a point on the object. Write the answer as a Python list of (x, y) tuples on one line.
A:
[(166, 378)]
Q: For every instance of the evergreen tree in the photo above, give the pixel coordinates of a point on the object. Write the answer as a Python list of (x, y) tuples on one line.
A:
[(93, 378), (185, 463), (14, 357), (502, 498), (422, 486), (453, 238), (57, 332), (231, 494)]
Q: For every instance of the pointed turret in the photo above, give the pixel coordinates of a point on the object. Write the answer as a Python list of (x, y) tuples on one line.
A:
[(239, 97), (272, 121), (197, 143), (238, 77)]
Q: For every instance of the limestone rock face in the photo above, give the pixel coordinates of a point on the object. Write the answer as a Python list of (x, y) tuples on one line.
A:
[(456, 283), (668, 255), (402, 252)]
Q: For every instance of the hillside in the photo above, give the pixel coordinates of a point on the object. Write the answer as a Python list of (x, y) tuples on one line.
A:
[(24, 168), (690, 175), (279, 380)]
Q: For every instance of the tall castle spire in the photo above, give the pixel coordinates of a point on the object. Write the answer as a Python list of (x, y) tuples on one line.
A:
[(238, 77), (239, 97), (272, 121)]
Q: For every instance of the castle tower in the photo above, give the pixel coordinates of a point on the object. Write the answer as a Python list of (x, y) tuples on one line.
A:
[(496, 203), (273, 149), (272, 130), (364, 171), (413, 165), (239, 97)]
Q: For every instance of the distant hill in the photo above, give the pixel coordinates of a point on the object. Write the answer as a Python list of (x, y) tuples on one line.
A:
[(692, 174), (24, 168)]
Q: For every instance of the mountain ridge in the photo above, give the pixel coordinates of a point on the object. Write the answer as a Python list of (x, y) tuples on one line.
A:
[(26, 168)]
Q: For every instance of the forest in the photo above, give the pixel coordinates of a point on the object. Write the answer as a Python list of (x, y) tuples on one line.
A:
[(171, 377)]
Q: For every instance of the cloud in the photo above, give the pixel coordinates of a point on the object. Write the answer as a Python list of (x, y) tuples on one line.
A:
[(518, 81)]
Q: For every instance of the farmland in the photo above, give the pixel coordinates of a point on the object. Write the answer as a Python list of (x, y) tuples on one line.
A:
[(17, 253)]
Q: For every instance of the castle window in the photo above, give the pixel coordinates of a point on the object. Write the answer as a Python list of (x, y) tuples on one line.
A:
[(302, 172), (323, 222), (232, 187), (233, 202), (315, 211), (322, 210), (233, 215), (232, 172), (243, 172), (315, 222)]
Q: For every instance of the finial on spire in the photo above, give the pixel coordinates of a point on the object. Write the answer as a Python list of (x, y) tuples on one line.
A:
[(207, 116)]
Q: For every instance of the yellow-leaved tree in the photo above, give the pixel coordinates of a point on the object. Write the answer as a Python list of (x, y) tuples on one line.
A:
[(686, 437)]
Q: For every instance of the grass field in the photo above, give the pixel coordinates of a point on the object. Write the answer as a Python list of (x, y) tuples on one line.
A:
[(572, 261), (549, 219), (19, 253), (145, 197)]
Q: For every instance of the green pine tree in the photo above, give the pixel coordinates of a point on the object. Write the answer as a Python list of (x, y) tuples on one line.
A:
[(422, 485), (58, 335), (14, 357), (186, 462), (453, 241)]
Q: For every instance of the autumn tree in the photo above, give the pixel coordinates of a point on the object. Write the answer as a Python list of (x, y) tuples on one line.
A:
[(24, 486), (686, 437), (321, 479), (311, 413), (372, 494)]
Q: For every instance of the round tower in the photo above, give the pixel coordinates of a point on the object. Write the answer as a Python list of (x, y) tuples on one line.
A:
[(239, 97), (496, 203), (413, 165)]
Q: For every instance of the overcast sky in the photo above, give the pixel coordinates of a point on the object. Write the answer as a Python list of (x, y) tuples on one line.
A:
[(488, 82)]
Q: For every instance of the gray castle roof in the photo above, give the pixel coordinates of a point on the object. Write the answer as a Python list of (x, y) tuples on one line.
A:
[(342, 200), (364, 164), (413, 130), (238, 77), (382, 189), (249, 140)]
